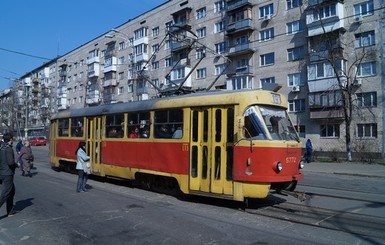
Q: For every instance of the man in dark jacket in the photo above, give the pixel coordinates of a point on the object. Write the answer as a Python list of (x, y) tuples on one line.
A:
[(7, 171)]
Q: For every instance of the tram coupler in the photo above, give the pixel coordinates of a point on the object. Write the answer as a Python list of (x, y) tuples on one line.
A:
[(299, 195)]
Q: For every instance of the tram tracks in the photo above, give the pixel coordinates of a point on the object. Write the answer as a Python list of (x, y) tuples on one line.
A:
[(360, 225)]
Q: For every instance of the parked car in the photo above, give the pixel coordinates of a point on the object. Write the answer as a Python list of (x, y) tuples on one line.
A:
[(38, 140)]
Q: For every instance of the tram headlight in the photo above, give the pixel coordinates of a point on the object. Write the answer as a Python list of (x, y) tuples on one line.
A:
[(279, 167), (301, 164)]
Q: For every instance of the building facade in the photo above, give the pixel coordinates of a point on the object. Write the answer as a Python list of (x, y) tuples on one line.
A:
[(324, 55)]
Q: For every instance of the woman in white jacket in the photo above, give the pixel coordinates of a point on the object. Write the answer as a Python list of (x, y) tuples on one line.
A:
[(83, 167)]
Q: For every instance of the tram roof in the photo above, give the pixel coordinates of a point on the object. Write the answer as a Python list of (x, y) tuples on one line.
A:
[(214, 97)]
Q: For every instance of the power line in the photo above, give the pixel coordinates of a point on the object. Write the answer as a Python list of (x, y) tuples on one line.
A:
[(25, 54)]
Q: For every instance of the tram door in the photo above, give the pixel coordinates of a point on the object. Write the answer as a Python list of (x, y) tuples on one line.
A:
[(93, 143), (211, 142), (52, 140)]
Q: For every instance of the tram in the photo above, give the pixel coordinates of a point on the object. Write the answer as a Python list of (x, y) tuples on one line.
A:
[(225, 144)]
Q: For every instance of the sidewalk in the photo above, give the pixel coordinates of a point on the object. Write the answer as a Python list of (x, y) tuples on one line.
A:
[(348, 168)]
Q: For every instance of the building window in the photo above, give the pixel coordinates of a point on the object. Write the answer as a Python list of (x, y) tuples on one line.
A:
[(167, 44), (220, 47), (266, 11), (120, 90), (365, 39), (155, 65), (295, 53), (122, 45), (366, 69), (325, 12), (290, 4), (155, 48), (201, 32), (155, 31), (140, 33), (364, 8), (121, 60), (367, 130), (200, 53), (297, 105), (320, 70), (155, 82), (330, 131), (294, 27), (330, 99), (219, 6), (242, 64), (167, 62), (121, 75), (266, 35), (267, 59), (267, 80), (367, 99), (130, 87), (201, 13), (219, 69), (238, 83), (201, 73), (219, 26), (295, 79)]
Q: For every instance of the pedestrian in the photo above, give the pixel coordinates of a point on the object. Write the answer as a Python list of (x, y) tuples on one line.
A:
[(25, 157), (20, 145), (7, 172), (135, 133), (83, 167), (309, 151)]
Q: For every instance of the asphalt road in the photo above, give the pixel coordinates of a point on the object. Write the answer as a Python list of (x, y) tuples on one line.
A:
[(52, 212)]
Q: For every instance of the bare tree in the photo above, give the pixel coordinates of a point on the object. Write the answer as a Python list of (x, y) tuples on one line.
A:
[(343, 55)]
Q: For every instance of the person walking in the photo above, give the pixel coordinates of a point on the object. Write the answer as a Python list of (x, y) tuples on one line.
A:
[(309, 151), (83, 167), (25, 158), (7, 172)]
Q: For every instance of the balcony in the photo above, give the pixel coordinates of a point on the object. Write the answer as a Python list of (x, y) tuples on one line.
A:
[(242, 25), (235, 4), (142, 40), (93, 97), (325, 25), (336, 53), (110, 82), (62, 73), (142, 90), (327, 84), (327, 114), (141, 57), (243, 70), (110, 64), (92, 60), (93, 70), (240, 49), (180, 45), (186, 62)]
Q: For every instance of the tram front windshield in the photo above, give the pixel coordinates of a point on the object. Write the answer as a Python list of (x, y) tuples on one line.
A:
[(267, 122)]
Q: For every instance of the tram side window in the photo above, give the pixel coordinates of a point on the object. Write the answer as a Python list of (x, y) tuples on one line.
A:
[(77, 129), (63, 127), (138, 125), (115, 126), (169, 124)]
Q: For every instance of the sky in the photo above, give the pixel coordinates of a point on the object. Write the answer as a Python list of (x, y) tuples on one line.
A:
[(36, 31)]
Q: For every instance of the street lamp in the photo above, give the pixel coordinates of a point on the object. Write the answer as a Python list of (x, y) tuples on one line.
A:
[(26, 86)]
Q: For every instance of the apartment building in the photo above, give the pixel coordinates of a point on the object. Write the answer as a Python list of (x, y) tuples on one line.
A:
[(324, 55)]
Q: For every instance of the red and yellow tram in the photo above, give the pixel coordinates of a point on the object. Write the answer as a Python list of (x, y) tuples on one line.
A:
[(227, 144)]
